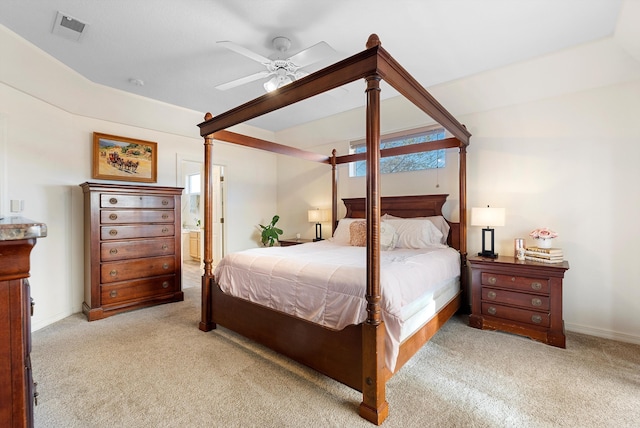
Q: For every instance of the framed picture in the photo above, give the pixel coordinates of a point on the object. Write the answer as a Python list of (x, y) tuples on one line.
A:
[(126, 159)]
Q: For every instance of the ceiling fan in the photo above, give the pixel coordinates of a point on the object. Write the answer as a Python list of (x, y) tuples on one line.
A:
[(283, 69)]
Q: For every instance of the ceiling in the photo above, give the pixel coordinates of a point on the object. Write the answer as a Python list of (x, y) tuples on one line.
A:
[(171, 45)]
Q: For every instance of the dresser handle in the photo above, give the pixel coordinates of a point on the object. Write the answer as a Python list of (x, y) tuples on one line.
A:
[(491, 294), (113, 273), (492, 280), (165, 284), (165, 216), (165, 266), (165, 246), (165, 229), (536, 319), (536, 302), (113, 201), (33, 304), (536, 285), (113, 293), (165, 202), (113, 216), (113, 232), (113, 251), (491, 310)]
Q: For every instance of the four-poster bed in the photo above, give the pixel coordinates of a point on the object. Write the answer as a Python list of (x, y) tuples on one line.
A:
[(355, 354)]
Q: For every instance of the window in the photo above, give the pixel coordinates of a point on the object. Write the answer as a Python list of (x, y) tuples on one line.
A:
[(193, 184), (411, 162)]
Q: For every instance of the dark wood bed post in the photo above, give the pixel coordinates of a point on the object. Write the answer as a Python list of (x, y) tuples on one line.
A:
[(463, 227), (374, 406), (205, 322), (334, 192)]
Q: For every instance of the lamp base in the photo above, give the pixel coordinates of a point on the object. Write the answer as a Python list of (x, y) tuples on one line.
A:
[(317, 239), (488, 254)]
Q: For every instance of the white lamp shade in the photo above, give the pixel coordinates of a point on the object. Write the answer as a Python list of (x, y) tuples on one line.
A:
[(318, 216), (487, 216)]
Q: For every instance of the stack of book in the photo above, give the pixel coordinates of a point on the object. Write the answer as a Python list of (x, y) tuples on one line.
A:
[(544, 255)]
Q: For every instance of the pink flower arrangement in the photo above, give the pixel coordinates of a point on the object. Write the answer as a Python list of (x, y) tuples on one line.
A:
[(543, 233)]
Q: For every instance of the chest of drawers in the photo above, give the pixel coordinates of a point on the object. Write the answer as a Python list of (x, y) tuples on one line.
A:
[(17, 390), (519, 297), (132, 247)]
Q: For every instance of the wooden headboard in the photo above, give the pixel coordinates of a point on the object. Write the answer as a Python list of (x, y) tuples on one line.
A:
[(407, 207)]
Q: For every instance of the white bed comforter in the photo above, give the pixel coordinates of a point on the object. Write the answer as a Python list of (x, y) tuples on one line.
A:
[(325, 283)]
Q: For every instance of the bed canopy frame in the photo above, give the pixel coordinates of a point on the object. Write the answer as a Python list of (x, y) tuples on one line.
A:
[(372, 65)]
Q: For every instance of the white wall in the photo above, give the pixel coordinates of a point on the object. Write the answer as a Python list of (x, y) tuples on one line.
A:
[(567, 162), (47, 116)]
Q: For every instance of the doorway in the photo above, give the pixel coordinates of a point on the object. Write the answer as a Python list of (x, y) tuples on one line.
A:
[(191, 178)]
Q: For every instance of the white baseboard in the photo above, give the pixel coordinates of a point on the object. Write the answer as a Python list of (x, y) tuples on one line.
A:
[(605, 334)]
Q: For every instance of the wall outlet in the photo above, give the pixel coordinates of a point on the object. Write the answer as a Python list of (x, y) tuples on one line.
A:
[(17, 206)]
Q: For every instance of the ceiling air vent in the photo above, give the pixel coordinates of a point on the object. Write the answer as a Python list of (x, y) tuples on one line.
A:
[(68, 27)]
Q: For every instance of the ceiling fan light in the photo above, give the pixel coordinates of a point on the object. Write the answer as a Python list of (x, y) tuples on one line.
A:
[(271, 84)]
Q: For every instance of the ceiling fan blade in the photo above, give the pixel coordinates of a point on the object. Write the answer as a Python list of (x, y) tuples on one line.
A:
[(313, 54), (244, 51), (243, 80)]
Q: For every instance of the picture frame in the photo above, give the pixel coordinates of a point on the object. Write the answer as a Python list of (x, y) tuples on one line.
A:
[(124, 159)]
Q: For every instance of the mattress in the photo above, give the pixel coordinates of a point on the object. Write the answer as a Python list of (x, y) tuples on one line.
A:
[(325, 283)]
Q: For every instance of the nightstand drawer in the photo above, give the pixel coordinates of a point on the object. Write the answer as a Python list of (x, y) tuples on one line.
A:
[(521, 315), (521, 283), (515, 298)]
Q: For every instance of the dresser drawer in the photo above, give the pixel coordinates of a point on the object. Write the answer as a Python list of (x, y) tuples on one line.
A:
[(532, 301), (515, 314), (133, 249), (142, 231), (139, 289), (136, 216), (537, 285), (139, 268), (114, 200)]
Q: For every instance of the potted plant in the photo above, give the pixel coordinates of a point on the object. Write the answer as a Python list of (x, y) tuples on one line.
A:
[(270, 232)]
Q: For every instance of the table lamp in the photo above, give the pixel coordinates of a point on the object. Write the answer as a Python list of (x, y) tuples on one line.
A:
[(317, 216), (487, 217)]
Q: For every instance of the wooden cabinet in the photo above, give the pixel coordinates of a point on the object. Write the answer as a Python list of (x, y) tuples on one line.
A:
[(293, 241), (132, 247), (519, 297), (17, 390), (194, 245)]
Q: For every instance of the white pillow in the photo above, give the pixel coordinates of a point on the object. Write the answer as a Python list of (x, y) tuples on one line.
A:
[(341, 235), (437, 220), (416, 233)]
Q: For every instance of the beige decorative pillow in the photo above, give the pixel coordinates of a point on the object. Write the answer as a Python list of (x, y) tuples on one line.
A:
[(358, 233)]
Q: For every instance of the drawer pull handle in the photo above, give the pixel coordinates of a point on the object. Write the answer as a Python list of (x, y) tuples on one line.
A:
[(492, 310), (491, 294), (113, 201), (113, 232), (536, 302), (113, 251), (113, 216), (165, 229), (113, 273), (165, 216), (165, 202), (513, 279), (492, 280), (165, 284), (113, 293), (536, 319), (165, 266), (536, 285), (33, 304), (165, 246)]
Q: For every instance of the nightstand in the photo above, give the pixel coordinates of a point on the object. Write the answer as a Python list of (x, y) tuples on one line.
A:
[(293, 241), (518, 297)]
